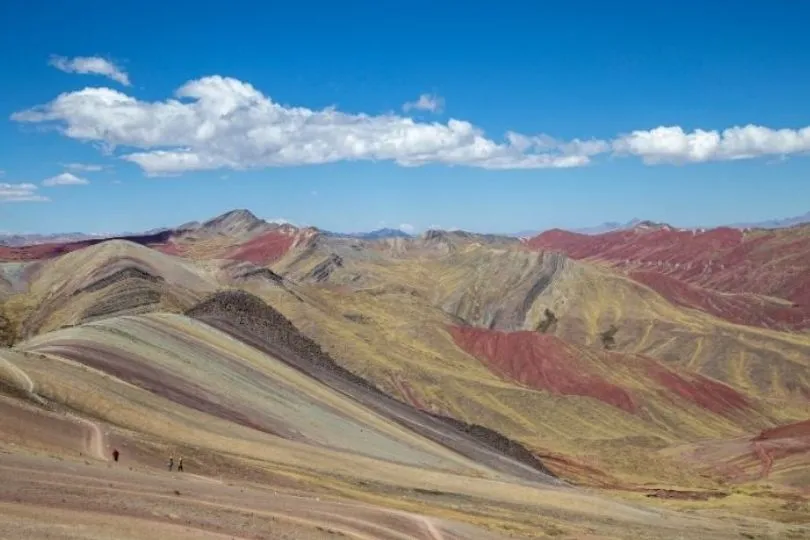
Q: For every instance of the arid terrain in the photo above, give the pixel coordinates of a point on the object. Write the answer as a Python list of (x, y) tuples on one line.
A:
[(641, 383)]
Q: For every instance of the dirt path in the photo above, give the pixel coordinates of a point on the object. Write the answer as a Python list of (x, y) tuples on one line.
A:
[(25, 380), (765, 458), (434, 533), (96, 445)]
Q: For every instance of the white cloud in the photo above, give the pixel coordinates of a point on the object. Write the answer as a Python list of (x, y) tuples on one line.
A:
[(406, 228), (426, 102), (90, 65), (279, 221), (65, 179), (222, 123), (20, 193), (218, 122), (84, 167), (671, 144)]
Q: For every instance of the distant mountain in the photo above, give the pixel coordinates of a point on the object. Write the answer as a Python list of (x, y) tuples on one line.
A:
[(610, 226), (459, 236), (598, 229), (14, 240), (372, 235), (635, 222), (243, 222), (529, 233), (775, 223), (233, 223), (236, 224)]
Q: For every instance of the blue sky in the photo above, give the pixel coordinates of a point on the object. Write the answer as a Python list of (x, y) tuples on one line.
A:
[(602, 102)]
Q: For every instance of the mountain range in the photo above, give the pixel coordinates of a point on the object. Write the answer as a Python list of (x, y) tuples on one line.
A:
[(22, 239), (377, 234), (775, 223), (646, 381), (610, 226)]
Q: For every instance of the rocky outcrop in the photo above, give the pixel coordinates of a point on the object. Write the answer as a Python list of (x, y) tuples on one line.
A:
[(8, 330), (126, 273), (324, 269), (247, 271)]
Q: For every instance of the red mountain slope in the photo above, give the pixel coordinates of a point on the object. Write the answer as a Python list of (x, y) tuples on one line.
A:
[(161, 241), (265, 248), (271, 246), (540, 361), (545, 362), (719, 270)]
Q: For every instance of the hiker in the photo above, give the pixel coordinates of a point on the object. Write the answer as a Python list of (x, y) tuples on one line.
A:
[(171, 463), (115, 455), (180, 464)]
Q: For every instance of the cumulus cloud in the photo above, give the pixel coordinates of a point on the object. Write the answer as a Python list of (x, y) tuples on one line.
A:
[(20, 193), (90, 65), (65, 179), (223, 123), (219, 122), (406, 228), (84, 167), (426, 102), (671, 144)]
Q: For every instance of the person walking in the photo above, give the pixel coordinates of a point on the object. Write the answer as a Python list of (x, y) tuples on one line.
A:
[(171, 463), (180, 464), (115, 455)]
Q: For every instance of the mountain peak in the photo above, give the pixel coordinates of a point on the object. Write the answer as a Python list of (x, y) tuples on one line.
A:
[(237, 214), (234, 222), (647, 225), (387, 232)]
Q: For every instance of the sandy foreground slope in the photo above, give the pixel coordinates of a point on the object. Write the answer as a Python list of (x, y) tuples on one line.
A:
[(43, 497), (242, 481)]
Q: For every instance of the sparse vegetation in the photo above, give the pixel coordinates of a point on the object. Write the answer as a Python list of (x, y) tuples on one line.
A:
[(609, 337), (8, 329), (357, 317), (549, 320)]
